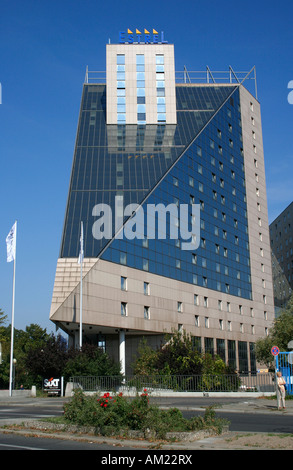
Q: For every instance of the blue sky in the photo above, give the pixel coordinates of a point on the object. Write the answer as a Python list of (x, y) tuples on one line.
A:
[(44, 50)]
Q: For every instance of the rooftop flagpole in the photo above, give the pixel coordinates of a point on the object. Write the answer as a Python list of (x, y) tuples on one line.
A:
[(11, 256)]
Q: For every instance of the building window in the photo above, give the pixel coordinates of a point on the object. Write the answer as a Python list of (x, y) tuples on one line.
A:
[(123, 283), (196, 299), (123, 309), (121, 104), (179, 307), (146, 288), (145, 264), (221, 324), (196, 320), (205, 302), (122, 258), (146, 313), (160, 85), (140, 84), (206, 322)]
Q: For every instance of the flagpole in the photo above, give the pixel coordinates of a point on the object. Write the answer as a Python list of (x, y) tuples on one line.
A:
[(80, 300), (12, 320)]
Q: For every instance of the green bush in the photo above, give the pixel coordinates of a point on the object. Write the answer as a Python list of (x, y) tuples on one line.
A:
[(113, 414)]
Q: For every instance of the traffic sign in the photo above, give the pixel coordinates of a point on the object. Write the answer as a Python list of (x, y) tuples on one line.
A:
[(275, 350)]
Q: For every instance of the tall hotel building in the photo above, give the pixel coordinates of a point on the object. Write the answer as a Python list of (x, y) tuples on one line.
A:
[(145, 139)]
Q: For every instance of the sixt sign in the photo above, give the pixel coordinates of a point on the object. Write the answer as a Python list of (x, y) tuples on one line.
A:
[(53, 385), (128, 37)]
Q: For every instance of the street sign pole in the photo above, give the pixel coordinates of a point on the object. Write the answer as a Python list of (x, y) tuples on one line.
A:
[(275, 351), (276, 382)]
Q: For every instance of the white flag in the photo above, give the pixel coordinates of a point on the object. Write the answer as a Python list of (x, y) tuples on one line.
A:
[(11, 244), (81, 253)]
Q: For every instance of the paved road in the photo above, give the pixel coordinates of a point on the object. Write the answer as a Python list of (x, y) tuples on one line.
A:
[(245, 415), (20, 442)]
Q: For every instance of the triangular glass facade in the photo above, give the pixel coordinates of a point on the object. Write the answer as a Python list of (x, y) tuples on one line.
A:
[(199, 160)]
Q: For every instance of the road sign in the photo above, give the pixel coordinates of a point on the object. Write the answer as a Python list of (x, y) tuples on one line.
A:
[(275, 350)]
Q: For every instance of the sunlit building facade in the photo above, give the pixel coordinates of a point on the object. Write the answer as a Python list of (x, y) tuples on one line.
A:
[(145, 140)]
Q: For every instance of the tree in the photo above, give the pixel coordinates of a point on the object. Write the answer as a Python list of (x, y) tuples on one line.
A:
[(33, 336), (91, 361), (177, 357), (280, 335), (46, 358), (3, 317)]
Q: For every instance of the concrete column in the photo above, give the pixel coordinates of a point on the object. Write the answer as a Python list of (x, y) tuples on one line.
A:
[(122, 350)]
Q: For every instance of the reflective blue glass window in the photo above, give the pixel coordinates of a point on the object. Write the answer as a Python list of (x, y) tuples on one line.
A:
[(121, 117), (159, 58), (141, 108), (121, 108), (140, 58), (120, 59)]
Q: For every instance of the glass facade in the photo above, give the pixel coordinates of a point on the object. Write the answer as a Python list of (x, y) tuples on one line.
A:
[(197, 161)]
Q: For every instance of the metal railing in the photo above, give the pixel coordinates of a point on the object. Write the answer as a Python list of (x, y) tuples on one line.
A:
[(178, 383), (192, 76)]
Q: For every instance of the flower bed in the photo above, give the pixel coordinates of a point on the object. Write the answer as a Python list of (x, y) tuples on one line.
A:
[(111, 414)]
